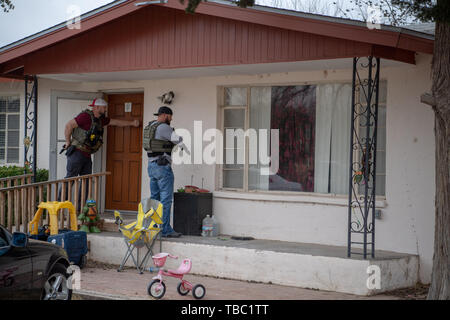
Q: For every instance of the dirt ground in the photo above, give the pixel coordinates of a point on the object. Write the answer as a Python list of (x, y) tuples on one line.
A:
[(418, 292)]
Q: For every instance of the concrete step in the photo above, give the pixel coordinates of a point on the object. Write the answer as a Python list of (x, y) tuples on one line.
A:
[(109, 224), (303, 265)]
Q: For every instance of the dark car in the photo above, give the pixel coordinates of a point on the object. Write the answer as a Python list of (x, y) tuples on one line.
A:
[(32, 269)]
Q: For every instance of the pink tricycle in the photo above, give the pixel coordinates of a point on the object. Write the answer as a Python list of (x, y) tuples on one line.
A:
[(157, 288)]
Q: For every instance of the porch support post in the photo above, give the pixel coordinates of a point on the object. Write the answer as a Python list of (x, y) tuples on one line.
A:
[(363, 146), (30, 124)]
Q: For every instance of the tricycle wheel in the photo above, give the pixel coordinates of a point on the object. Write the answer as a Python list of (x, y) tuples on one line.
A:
[(156, 289), (182, 290), (198, 291)]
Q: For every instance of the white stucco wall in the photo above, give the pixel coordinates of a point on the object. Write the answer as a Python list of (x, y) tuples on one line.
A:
[(407, 223)]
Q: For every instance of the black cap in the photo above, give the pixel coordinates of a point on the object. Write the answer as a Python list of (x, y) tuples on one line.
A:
[(164, 110)]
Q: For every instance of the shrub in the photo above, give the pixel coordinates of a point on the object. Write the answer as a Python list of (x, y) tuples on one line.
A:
[(41, 175), (10, 171)]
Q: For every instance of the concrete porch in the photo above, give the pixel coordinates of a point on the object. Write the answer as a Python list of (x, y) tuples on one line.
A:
[(302, 265)]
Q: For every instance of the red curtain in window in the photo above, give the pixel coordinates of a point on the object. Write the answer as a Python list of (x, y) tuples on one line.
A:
[(293, 112)]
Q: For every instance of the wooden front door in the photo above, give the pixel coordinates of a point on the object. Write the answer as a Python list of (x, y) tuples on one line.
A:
[(124, 153)]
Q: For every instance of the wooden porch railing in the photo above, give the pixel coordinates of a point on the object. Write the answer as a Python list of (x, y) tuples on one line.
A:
[(15, 180), (18, 203)]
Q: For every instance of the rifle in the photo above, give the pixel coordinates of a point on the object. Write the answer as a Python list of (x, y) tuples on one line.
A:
[(68, 150)]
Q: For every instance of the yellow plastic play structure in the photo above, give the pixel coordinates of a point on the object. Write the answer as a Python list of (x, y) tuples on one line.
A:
[(53, 207), (142, 232), (144, 223)]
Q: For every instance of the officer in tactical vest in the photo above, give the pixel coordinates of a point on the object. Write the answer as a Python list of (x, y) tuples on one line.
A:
[(84, 136), (159, 141)]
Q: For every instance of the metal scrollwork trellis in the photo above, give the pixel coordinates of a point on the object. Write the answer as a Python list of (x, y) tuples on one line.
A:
[(30, 124), (363, 142)]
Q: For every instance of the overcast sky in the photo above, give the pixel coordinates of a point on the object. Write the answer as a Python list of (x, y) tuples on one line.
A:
[(32, 16)]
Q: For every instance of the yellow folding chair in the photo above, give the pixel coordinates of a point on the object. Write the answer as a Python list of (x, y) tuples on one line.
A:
[(141, 233)]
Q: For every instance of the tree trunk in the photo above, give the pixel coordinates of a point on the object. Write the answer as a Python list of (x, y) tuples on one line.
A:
[(440, 278)]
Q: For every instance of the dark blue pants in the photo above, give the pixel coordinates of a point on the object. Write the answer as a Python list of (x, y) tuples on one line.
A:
[(77, 165), (161, 189)]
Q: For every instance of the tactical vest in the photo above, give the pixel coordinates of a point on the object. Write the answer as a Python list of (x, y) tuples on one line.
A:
[(88, 140), (155, 147)]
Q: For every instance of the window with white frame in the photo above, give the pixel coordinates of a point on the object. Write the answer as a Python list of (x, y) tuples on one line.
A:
[(313, 123), (9, 129)]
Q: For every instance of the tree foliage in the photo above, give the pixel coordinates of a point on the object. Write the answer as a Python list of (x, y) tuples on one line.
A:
[(426, 10), (392, 13), (6, 5), (321, 7), (192, 5)]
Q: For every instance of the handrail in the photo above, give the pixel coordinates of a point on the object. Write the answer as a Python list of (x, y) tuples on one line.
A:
[(37, 184), (19, 203), (16, 177)]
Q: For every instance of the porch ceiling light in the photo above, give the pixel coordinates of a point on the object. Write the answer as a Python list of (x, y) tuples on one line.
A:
[(167, 98)]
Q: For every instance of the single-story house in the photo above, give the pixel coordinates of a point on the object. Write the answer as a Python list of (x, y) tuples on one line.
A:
[(310, 77)]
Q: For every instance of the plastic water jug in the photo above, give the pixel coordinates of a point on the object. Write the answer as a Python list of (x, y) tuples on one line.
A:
[(215, 230), (207, 226)]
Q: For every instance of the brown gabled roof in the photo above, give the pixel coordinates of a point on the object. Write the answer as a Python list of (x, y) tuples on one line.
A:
[(24, 57)]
